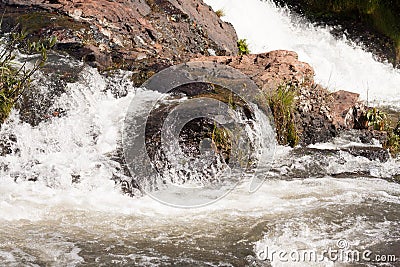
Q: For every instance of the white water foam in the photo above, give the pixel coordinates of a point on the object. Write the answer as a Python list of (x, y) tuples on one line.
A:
[(338, 64)]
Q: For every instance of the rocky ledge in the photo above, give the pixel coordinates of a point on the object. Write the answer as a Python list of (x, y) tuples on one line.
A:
[(140, 35)]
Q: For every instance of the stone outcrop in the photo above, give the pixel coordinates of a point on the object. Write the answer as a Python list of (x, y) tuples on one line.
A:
[(132, 34), (269, 70)]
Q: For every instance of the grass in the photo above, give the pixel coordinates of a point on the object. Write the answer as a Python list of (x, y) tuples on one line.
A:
[(220, 13), (376, 119), (282, 103), (243, 47), (222, 138), (393, 142)]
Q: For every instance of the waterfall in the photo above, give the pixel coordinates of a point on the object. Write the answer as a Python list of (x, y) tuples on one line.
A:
[(338, 64), (61, 202)]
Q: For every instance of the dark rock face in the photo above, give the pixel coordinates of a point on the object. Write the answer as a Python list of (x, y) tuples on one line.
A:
[(135, 34), (371, 153)]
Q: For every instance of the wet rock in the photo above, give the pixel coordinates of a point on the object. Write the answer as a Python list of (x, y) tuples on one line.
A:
[(7, 145), (38, 103), (313, 115), (367, 137), (371, 153)]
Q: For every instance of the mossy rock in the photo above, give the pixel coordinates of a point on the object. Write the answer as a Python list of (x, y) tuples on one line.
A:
[(37, 22)]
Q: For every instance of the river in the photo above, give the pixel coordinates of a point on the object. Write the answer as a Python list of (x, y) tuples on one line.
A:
[(338, 202)]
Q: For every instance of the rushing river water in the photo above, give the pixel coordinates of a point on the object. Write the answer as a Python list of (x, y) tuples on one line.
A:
[(310, 202)]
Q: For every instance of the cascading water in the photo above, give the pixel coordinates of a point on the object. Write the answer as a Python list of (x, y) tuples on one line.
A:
[(59, 204), (338, 64)]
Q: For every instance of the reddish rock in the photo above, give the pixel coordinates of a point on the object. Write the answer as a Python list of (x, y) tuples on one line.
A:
[(341, 108), (269, 70), (129, 33)]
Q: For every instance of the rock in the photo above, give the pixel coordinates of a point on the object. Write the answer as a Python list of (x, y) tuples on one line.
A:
[(146, 36), (269, 70), (132, 34), (341, 108), (371, 153)]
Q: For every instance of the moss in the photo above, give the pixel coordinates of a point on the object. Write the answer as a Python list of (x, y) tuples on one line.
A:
[(243, 47), (282, 103), (37, 21)]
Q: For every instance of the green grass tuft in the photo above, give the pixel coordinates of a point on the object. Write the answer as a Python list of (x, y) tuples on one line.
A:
[(282, 103), (393, 142), (220, 13), (243, 47)]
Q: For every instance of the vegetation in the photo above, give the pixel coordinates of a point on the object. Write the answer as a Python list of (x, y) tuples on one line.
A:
[(221, 137), (243, 47), (282, 103), (376, 119), (220, 13), (14, 78), (380, 15), (393, 143), (379, 120)]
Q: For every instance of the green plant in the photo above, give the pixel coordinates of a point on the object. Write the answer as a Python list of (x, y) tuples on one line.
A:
[(243, 47), (220, 13), (393, 141), (282, 103), (397, 129), (16, 78), (377, 119), (393, 144), (221, 138)]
